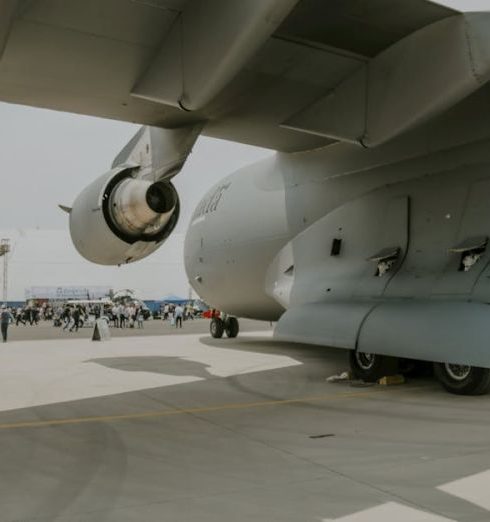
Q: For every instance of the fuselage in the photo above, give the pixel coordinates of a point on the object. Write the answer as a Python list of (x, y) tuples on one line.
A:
[(260, 241)]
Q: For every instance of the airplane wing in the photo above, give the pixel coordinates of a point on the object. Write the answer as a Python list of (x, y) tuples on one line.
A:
[(254, 71)]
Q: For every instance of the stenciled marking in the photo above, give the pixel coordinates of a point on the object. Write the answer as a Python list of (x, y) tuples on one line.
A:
[(210, 202)]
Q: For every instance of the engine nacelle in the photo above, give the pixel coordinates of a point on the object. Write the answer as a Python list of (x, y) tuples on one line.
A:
[(119, 219)]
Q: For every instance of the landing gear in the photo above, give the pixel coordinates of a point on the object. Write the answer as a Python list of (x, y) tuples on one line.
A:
[(459, 379), (370, 367), (462, 379), (217, 327), (231, 327)]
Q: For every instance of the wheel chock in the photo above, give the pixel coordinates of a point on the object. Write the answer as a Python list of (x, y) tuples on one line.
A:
[(391, 380)]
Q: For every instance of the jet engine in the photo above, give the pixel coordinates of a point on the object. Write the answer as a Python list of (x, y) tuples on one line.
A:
[(120, 218)]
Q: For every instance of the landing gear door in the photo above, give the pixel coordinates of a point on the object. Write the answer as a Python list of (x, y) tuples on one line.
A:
[(389, 247)]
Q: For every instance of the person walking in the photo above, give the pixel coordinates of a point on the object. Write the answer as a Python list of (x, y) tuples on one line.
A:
[(115, 316), (5, 319), (179, 312), (76, 319), (139, 317), (66, 318), (122, 316), (19, 317)]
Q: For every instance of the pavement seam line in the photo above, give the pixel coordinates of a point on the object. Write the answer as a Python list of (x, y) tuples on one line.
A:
[(184, 411)]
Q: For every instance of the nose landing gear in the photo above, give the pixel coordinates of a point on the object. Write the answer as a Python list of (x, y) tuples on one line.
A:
[(216, 327), (229, 325)]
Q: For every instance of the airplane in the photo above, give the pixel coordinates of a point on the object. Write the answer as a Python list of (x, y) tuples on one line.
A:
[(367, 230)]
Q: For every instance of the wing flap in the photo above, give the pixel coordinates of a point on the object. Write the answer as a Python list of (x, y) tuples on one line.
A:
[(207, 46), (413, 81)]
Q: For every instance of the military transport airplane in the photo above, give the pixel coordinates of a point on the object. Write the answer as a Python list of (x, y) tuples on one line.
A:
[(367, 230)]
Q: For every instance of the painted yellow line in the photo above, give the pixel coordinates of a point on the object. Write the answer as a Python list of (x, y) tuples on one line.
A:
[(184, 411)]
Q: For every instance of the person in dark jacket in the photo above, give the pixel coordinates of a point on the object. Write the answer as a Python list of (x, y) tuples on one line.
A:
[(5, 319), (76, 319)]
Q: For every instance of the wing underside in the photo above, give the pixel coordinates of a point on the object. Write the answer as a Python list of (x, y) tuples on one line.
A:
[(242, 68)]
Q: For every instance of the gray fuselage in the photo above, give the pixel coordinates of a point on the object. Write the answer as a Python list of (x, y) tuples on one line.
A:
[(424, 194)]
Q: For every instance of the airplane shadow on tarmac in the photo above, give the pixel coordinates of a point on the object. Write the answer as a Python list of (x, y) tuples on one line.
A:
[(318, 363), (177, 366)]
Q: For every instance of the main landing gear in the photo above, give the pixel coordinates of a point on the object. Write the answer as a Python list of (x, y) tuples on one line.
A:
[(229, 325), (455, 378), (370, 367), (463, 380)]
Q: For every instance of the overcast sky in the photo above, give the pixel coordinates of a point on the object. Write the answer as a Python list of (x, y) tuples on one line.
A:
[(48, 157)]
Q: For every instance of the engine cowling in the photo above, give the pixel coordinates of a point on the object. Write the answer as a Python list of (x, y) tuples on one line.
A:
[(119, 218)]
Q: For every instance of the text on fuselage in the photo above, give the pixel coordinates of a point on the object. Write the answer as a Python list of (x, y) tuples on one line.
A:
[(210, 203)]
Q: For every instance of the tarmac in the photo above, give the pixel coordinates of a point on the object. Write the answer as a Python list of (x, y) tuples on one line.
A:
[(176, 426)]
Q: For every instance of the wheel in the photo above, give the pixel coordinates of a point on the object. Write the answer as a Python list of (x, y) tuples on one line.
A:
[(463, 379), (370, 367), (232, 327), (217, 327)]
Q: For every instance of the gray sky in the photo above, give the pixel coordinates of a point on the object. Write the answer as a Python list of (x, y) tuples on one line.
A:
[(48, 157)]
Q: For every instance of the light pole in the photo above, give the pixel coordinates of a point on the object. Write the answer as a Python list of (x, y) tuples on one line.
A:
[(4, 251)]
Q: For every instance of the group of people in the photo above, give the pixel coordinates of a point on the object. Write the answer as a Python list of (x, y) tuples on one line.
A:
[(71, 317), (126, 316), (31, 314), (176, 313)]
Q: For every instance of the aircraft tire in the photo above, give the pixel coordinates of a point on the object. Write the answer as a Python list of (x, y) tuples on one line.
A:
[(371, 367), (463, 380), (217, 327), (232, 327)]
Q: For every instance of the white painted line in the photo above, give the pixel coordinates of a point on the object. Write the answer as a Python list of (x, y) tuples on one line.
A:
[(474, 489), (391, 512)]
